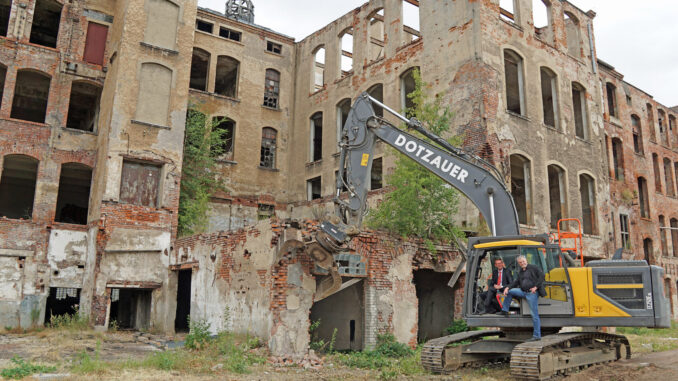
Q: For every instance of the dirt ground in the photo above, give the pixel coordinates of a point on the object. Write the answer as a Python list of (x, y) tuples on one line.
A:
[(62, 350)]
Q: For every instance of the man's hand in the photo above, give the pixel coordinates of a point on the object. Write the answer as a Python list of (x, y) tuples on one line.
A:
[(533, 289), (497, 287), (506, 291)]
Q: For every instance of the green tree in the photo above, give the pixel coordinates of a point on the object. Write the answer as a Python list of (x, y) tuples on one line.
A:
[(202, 144), (420, 204)]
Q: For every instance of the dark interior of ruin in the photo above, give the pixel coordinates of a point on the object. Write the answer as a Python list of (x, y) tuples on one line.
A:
[(343, 311), (61, 301), (73, 196), (200, 64), (83, 107), (30, 96), (436, 303), (3, 74), (5, 7), (17, 186), (130, 308), (183, 301), (45, 28), (226, 128), (226, 82)]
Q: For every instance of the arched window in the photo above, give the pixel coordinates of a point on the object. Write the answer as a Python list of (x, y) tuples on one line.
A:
[(17, 186), (557, 194), (45, 25), (663, 130), (375, 34), (587, 191), (30, 96), (515, 87), (346, 52), (83, 106), (549, 96), (155, 87), (407, 87), (521, 187), (268, 147), (618, 159), (200, 67), (643, 198), (343, 108), (318, 79), (637, 134), (573, 35), (272, 88), (579, 110), (377, 92), (73, 197), (226, 81), (316, 137)]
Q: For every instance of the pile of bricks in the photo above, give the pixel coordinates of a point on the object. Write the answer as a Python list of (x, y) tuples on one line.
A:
[(310, 361)]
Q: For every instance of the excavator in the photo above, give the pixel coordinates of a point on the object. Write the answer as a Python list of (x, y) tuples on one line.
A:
[(598, 293)]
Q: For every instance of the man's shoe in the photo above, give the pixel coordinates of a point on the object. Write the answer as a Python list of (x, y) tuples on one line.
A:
[(534, 339), (502, 313)]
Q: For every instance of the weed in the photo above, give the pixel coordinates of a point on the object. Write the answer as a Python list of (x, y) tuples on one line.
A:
[(71, 322), (24, 368), (389, 357), (457, 326), (317, 344), (389, 347), (333, 340), (199, 334)]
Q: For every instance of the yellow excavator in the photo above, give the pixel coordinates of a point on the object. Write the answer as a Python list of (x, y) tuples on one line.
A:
[(601, 293)]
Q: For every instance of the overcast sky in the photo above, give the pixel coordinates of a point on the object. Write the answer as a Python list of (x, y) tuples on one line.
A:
[(640, 39)]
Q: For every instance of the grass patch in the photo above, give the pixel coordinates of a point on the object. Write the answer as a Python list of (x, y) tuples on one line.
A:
[(644, 340), (23, 368), (658, 332), (69, 322)]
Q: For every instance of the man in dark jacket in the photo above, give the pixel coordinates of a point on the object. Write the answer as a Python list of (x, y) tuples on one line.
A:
[(501, 278), (529, 285)]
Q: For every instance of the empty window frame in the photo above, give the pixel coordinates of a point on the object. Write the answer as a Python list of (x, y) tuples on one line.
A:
[(549, 96), (95, 43), (226, 81), (313, 188), (668, 178), (521, 187), (265, 211), (268, 147), (637, 134), (139, 183), (375, 33), (5, 10), (657, 173), (272, 88), (204, 26), (230, 34), (648, 250), (376, 174), (579, 110), (346, 52), (650, 120), (643, 198), (162, 21), (673, 129), (587, 192), (30, 96), (273, 47), (408, 85), (343, 108), (73, 196), (226, 128), (318, 72), (155, 88), (83, 106), (618, 159), (45, 25), (624, 231), (611, 91), (17, 186), (662, 236), (557, 194), (572, 29), (507, 10), (541, 16), (411, 31), (674, 236), (377, 92), (200, 67), (663, 130), (515, 89), (3, 74), (316, 137)]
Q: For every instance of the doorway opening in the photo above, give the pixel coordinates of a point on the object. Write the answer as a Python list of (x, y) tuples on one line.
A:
[(436, 303), (343, 312), (130, 308), (183, 301)]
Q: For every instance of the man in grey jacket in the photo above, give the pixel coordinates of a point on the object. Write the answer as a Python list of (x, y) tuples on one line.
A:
[(529, 284)]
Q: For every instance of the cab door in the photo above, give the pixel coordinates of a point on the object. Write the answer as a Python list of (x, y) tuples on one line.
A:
[(558, 300)]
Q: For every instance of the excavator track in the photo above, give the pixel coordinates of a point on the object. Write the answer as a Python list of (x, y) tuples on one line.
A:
[(564, 353), (433, 356)]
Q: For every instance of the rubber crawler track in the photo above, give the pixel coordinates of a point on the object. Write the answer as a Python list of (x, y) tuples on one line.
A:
[(432, 352)]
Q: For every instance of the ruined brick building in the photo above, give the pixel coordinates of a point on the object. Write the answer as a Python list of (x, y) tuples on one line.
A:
[(93, 100)]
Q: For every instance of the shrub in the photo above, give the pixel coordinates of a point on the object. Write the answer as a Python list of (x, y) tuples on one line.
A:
[(199, 334), (389, 347), (457, 326), (24, 368)]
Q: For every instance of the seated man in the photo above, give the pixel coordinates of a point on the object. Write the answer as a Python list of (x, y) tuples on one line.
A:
[(501, 278), (530, 283)]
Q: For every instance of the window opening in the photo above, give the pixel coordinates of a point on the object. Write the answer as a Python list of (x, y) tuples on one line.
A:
[(411, 21), (513, 71), (200, 67), (637, 135), (650, 118), (204, 26), (30, 96), (407, 87), (377, 92), (579, 109), (663, 131), (343, 108), (317, 136), (521, 183), (268, 147), (668, 178), (83, 106), (226, 128), (611, 99), (587, 192), (73, 196), (662, 235), (624, 231), (95, 43), (3, 74), (643, 199), (541, 15), (507, 10), (17, 186), (313, 188), (230, 34), (573, 35), (674, 236), (139, 184), (265, 211), (45, 25), (131, 309), (648, 250), (272, 88), (375, 31), (376, 174), (273, 47), (549, 97), (347, 52), (319, 69), (618, 159), (226, 82), (5, 10), (557, 194), (657, 174), (61, 301)]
